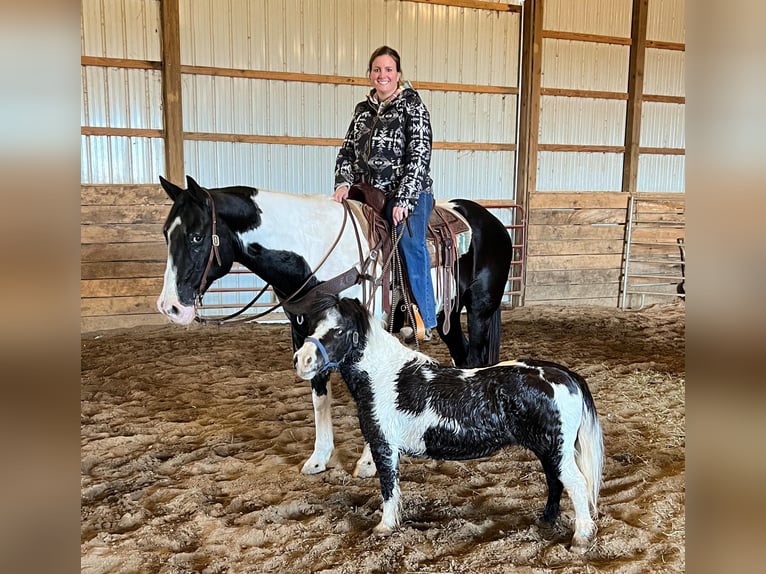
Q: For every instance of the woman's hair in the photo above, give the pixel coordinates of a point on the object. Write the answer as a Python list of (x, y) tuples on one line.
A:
[(385, 51)]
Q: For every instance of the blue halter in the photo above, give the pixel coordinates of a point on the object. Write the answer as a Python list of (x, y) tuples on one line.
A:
[(327, 363)]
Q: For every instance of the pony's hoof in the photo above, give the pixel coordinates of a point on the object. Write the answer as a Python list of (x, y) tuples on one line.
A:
[(580, 544), (365, 469), (382, 530), (313, 467)]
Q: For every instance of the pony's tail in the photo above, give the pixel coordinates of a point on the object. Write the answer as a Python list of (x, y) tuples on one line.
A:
[(589, 449)]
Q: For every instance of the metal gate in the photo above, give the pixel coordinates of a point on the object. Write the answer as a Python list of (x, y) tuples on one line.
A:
[(654, 265)]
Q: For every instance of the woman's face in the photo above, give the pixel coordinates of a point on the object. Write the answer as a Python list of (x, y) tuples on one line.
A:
[(384, 77)]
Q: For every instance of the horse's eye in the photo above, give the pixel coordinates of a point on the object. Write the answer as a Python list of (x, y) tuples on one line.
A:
[(338, 332), (195, 238)]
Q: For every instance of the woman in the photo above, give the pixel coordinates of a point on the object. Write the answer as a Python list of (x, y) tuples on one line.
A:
[(388, 145)]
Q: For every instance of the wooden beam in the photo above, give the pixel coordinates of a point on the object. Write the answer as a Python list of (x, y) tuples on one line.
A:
[(474, 4), (583, 148), (594, 94), (171, 90), (120, 63), (339, 80), (578, 200), (635, 96), (121, 132), (660, 45), (582, 37)]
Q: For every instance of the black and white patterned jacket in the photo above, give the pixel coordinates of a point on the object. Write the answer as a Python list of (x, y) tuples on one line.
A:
[(389, 146)]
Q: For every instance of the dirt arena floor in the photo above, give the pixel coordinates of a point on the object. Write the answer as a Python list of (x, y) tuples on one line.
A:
[(193, 439)]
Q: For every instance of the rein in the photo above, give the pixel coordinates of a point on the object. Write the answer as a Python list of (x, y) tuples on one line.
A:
[(341, 282)]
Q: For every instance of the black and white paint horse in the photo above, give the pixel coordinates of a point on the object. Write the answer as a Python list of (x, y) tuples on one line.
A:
[(284, 237), (409, 404)]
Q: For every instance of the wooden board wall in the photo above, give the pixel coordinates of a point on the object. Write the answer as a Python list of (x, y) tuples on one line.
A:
[(122, 255), (575, 247)]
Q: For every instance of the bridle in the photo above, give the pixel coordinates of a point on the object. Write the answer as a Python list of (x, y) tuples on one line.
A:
[(214, 252)]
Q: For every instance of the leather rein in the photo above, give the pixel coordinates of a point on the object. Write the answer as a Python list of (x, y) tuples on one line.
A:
[(335, 285)]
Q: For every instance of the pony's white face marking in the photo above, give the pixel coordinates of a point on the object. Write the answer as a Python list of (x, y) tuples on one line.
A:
[(168, 303), (306, 359)]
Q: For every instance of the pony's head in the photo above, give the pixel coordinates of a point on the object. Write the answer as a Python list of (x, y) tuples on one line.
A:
[(200, 249), (340, 327)]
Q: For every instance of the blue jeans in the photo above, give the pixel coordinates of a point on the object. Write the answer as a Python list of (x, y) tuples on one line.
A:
[(415, 252)]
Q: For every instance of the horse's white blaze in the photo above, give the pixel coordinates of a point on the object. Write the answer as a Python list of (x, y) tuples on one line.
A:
[(168, 302)]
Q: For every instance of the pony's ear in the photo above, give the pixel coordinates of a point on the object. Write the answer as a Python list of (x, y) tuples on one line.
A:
[(171, 189), (195, 190)]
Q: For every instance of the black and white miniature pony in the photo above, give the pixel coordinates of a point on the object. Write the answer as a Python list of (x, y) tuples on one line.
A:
[(295, 242), (409, 404)]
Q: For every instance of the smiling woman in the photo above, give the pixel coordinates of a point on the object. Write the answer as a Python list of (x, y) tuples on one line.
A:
[(388, 145)]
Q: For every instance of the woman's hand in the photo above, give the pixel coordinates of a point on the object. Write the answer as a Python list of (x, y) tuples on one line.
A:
[(340, 193), (399, 214)]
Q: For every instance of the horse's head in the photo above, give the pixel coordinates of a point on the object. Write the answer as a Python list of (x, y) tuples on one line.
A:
[(200, 249), (340, 327)]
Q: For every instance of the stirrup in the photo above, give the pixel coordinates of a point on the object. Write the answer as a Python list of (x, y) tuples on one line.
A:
[(420, 329)]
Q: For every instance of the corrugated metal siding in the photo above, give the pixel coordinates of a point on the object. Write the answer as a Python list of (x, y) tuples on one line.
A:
[(664, 72), (575, 171), (663, 125), (603, 17), (583, 121), (121, 28), (585, 65), (437, 43), (661, 173), (666, 21)]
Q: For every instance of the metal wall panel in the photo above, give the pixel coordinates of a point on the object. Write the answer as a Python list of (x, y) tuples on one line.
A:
[(573, 171), (603, 17), (666, 21), (661, 173), (663, 125), (585, 65), (664, 72), (120, 28), (583, 121)]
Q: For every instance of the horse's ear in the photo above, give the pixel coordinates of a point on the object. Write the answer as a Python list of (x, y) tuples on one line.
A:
[(195, 190), (171, 189)]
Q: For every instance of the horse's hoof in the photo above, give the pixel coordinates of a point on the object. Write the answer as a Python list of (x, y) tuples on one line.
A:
[(365, 469), (313, 467)]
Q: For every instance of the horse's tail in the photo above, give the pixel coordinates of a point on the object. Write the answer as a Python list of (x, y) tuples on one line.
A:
[(589, 448), (494, 328)]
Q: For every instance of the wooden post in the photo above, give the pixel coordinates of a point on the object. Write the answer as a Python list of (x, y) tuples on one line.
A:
[(529, 112), (635, 96), (171, 91)]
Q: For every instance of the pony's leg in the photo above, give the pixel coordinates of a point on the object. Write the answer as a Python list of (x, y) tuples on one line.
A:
[(555, 488), (388, 468), (577, 489), (365, 466), (323, 441)]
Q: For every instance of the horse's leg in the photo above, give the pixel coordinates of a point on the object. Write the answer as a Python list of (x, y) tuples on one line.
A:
[(365, 466), (454, 339), (321, 397)]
